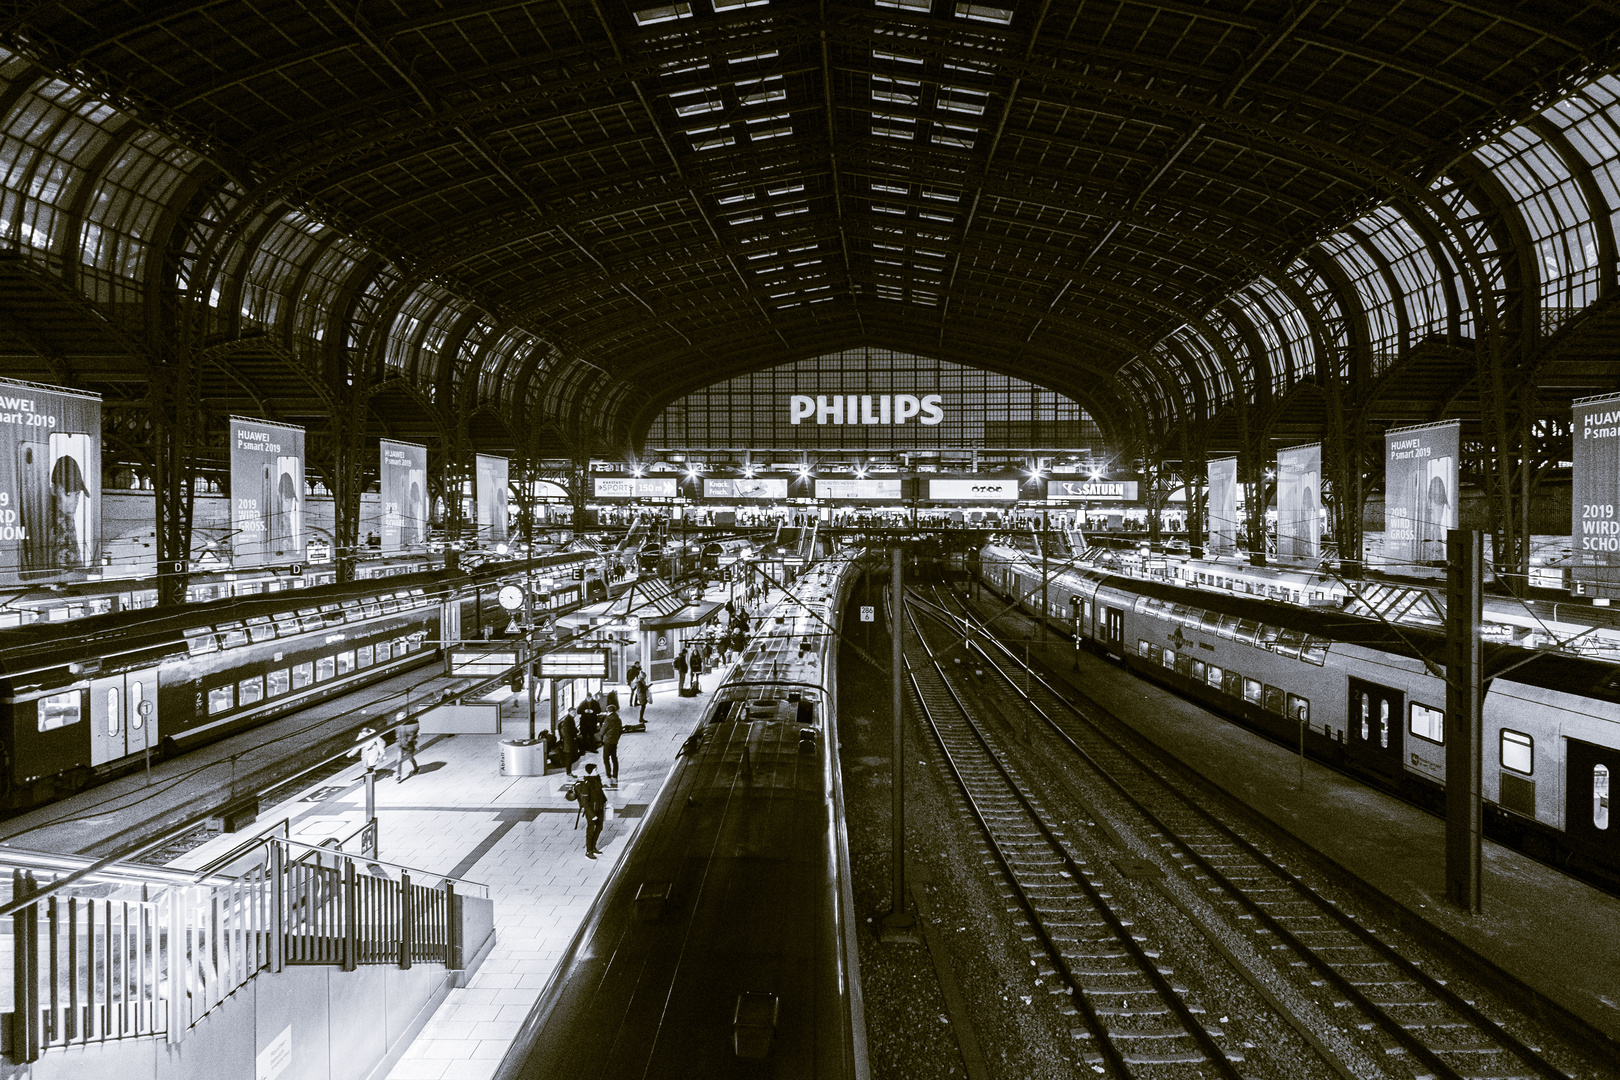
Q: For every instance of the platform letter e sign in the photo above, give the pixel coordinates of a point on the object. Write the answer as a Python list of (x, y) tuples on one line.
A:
[(275, 1059)]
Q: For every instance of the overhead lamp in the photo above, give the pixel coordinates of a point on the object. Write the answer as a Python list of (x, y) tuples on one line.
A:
[(636, 471), (748, 471), (804, 471), (860, 472)]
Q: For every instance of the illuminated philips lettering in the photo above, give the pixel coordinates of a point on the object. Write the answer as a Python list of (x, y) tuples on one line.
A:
[(874, 409)]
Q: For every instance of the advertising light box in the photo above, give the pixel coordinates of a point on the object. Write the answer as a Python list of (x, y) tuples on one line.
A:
[(746, 488), (50, 482), (1093, 490), (629, 487), (1299, 500), (1223, 519), (492, 497), (864, 490), (404, 495), (267, 492), (973, 490)]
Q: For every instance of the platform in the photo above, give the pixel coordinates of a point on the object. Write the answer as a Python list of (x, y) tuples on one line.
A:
[(1558, 936), (460, 817)]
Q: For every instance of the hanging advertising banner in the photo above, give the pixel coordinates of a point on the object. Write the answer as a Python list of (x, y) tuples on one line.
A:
[(973, 490), (630, 487), (50, 483), (1223, 512), (869, 490), (403, 471), (267, 492), (1595, 526), (1420, 491), (1299, 497), (546, 489), (492, 496), (1093, 490), (745, 488)]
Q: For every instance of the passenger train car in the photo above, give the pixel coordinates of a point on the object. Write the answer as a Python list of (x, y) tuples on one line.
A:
[(86, 699), (724, 943), (1370, 700)]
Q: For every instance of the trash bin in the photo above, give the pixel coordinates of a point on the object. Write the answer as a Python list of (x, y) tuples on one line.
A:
[(523, 757)]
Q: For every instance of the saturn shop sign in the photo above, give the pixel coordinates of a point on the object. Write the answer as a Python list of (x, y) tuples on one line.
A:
[(865, 408), (1099, 490)]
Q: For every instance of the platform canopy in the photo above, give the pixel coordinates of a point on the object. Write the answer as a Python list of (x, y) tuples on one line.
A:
[(551, 219)]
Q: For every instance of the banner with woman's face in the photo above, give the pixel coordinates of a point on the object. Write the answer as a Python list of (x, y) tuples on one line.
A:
[(267, 492), (50, 483)]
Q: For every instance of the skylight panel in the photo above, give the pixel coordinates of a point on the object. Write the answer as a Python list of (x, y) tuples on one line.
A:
[(777, 193), (931, 254), (962, 100), (772, 55), (927, 216), (804, 247), (890, 188), (711, 138), (821, 299), (763, 255), (906, 5), (789, 211), (941, 196), (888, 262), (741, 196), (762, 91), (747, 219), (808, 262), (732, 5), (761, 134), (697, 102), (985, 14), (663, 13), (880, 208), (884, 54), (896, 91), (887, 247), (951, 135)]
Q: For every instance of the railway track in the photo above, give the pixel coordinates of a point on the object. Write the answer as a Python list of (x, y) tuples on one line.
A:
[(1140, 1021), (1412, 1021)]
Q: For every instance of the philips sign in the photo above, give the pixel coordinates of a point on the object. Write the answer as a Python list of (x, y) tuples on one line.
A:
[(865, 408)]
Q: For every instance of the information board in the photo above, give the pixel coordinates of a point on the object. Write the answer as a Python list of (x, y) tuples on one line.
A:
[(267, 492), (1222, 506), (482, 661), (403, 472), (1420, 491), (865, 490), (1299, 500), (50, 482), (575, 664)]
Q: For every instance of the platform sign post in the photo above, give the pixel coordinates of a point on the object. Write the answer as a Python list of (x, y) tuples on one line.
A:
[(1464, 720)]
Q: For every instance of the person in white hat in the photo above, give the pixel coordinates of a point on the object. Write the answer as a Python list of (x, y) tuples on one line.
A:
[(371, 750)]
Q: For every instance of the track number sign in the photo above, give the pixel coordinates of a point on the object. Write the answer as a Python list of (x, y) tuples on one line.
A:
[(868, 613)]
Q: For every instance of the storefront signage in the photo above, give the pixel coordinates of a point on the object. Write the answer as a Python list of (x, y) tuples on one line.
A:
[(865, 408), (629, 487), (50, 482), (973, 490), (746, 488), (577, 664), (1094, 490), (858, 489)]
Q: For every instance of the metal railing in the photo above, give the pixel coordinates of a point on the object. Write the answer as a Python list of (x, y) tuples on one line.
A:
[(121, 953)]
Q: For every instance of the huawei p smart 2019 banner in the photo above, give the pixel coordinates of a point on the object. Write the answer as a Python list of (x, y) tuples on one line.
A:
[(1596, 509), (1299, 498), (267, 492), (404, 495), (1223, 515), (1420, 491), (492, 496), (50, 482)]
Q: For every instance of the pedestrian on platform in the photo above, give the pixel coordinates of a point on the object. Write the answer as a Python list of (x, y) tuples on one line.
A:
[(641, 694), (569, 732), (405, 736), (612, 728), (697, 670), (593, 804), (371, 749), (590, 720), (680, 669)]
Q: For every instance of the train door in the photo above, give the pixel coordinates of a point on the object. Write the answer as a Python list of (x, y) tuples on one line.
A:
[(119, 726), (1374, 737), (1114, 629), (1589, 785)]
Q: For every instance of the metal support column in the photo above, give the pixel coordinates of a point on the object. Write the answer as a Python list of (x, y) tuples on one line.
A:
[(1464, 720)]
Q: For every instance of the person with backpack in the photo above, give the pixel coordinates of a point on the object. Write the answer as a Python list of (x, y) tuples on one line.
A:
[(641, 694), (612, 728), (680, 669), (592, 799), (697, 670)]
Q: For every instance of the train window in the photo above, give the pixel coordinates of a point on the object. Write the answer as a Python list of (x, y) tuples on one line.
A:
[(302, 675), (231, 635), (370, 607), (1365, 716), (1143, 647), (260, 628), (286, 623), (1143, 604), (1211, 622), (1271, 699), (1213, 676), (345, 662), (251, 690), (201, 640), (352, 611), (137, 698), (1299, 709), (278, 682), (418, 598), (1600, 796), (1183, 663), (332, 614), (1229, 627), (362, 656), (1426, 723), (325, 668), (1232, 683), (1251, 690), (388, 604), (1247, 630), (1289, 643), (310, 619), (113, 715), (1314, 651), (1383, 723), (221, 699), (1198, 670), (1266, 636), (383, 650), (59, 710), (1518, 752)]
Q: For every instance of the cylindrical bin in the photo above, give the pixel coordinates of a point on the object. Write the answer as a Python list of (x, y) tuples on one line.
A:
[(523, 757)]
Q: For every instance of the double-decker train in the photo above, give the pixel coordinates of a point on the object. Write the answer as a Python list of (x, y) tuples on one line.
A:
[(86, 699), (1369, 698), (723, 945)]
